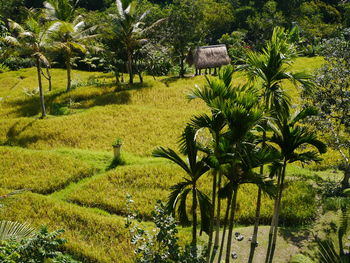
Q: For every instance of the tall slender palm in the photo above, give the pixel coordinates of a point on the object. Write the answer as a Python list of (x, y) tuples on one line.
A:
[(291, 138), (218, 88), (130, 29), (271, 68), (194, 168), (31, 38), (242, 116)]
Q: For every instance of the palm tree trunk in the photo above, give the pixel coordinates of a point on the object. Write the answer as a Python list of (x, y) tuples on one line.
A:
[(273, 221), (49, 78), (194, 216), (230, 231), (253, 244), (212, 216), (131, 75), (42, 100), (229, 200), (217, 224), (275, 232), (69, 74)]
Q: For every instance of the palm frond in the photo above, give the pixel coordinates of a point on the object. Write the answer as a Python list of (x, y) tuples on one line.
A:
[(327, 252), (205, 207), (14, 230), (172, 156)]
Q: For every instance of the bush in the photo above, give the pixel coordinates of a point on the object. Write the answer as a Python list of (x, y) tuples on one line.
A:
[(162, 246), (42, 247), (4, 68), (16, 63)]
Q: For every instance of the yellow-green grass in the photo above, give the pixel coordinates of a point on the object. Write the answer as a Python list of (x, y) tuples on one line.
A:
[(40, 171), (142, 129), (93, 237), (147, 183), (145, 115)]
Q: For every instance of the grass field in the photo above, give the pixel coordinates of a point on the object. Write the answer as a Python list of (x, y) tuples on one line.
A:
[(65, 159)]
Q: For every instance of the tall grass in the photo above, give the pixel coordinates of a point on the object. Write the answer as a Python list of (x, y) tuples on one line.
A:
[(92, 237), (147, 183), (41, 172)]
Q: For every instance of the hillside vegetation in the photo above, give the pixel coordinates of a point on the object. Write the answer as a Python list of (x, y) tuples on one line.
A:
[(65, 160)]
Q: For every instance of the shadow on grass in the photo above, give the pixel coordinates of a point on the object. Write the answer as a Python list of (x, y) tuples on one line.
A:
[(12, 135), (115, 163), (296, 235), (111, 94), (169, 80)]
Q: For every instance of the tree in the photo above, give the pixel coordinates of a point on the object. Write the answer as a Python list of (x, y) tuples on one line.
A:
[(268, 18), (68, 32), (271, 68), (218, 88), (184, 29), (292, 140), (194, 168), (129, 29), (31, 39), (332, 98)]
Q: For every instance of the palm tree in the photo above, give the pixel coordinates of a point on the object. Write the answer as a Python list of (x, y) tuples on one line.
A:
[(68, 32), (194, 168), (291, 140), (219, 87), (69, 38), (129, 29), (271, 68), (31, 39), (62, 10)]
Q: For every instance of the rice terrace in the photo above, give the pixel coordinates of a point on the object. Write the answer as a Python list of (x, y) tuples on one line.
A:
[(179, 131)]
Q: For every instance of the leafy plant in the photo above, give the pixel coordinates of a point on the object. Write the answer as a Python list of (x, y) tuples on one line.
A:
[(117, 142), (162, 246), (41, 247)]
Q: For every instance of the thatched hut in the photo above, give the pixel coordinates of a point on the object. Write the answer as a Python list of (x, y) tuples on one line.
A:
[(208, 57)]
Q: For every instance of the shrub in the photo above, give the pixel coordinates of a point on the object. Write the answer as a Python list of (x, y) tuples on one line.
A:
[(4, 68), (161, 246), (42, 247)]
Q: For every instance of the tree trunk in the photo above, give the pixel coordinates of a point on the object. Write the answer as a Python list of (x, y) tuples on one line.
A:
[(228, 205), (275, 232), (182, 67), (230, 231), (69, 73), (273, 221), (140, 76), (49, 78), (217, 224), (212, 216), (129, 66), (42, 100), (194, 216), (117, 81), (253, 244), (345, 181)]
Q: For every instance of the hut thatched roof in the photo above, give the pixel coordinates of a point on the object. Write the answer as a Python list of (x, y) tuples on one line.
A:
[(209, 57)]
